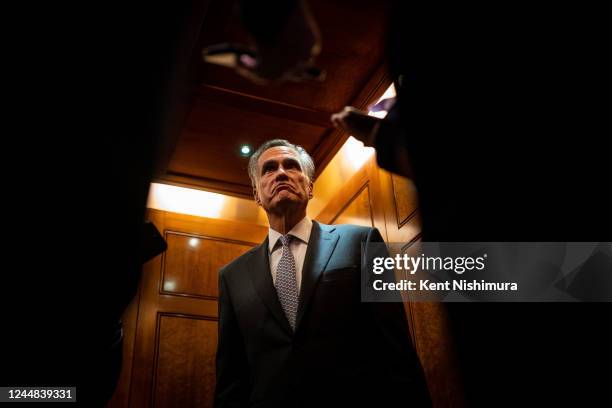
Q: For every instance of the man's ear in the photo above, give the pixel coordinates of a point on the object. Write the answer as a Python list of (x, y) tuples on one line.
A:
[(310, 187), (256, 196)]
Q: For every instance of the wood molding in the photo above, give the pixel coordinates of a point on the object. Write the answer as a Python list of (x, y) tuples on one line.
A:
[(160, 315), (366, 186), (200, 183), (210, 227), (162, 291), (345, 196), (216, 94), (404, 230), (410, 192), (365, 177), (220, 239), (406, 247), (331, 142)]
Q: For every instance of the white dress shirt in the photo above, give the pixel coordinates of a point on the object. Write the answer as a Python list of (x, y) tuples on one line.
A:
[(301, 233)]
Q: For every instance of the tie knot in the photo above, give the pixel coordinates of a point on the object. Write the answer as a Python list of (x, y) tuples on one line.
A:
[(285, 239)]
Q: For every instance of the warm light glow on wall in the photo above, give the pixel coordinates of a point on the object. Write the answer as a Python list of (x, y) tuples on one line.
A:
[(185, 200), (204, 204), (355, 153)]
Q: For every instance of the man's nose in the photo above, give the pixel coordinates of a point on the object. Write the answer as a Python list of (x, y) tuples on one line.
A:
[(281, 172)]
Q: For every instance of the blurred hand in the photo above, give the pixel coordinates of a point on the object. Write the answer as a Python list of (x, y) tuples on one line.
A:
[(357, 124), (289, 56)]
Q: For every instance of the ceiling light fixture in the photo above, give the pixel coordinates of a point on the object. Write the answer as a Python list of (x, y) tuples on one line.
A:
[(245, 150)]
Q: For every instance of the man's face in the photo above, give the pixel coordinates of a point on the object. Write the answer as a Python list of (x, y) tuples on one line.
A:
[(282, 182)]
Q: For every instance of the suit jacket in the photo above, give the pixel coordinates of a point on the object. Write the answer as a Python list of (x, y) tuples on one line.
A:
[(343, 351)]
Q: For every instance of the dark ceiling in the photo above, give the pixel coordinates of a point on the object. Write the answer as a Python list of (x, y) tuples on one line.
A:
[(226, 111)]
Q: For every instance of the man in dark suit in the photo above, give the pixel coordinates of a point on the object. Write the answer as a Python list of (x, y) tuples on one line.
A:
[(292, 329)]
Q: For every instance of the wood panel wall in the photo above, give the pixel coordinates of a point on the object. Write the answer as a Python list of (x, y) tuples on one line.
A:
[(357, 201), (171, 328)]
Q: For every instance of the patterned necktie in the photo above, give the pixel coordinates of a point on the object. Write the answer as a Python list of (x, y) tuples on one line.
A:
[(286, 283)]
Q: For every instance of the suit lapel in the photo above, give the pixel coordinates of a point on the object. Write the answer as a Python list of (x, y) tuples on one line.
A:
[(321, 245), (259, 268)]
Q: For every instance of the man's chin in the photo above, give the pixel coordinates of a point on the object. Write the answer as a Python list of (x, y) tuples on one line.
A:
[(286, 202), (285, 195)]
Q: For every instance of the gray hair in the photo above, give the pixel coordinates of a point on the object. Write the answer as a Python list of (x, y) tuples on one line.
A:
[(305, 160)]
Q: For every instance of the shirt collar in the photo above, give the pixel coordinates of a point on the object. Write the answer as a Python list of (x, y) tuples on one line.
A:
[(301, 230)]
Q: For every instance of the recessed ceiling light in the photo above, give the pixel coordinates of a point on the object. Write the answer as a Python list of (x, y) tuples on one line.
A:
[(245, 150)]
